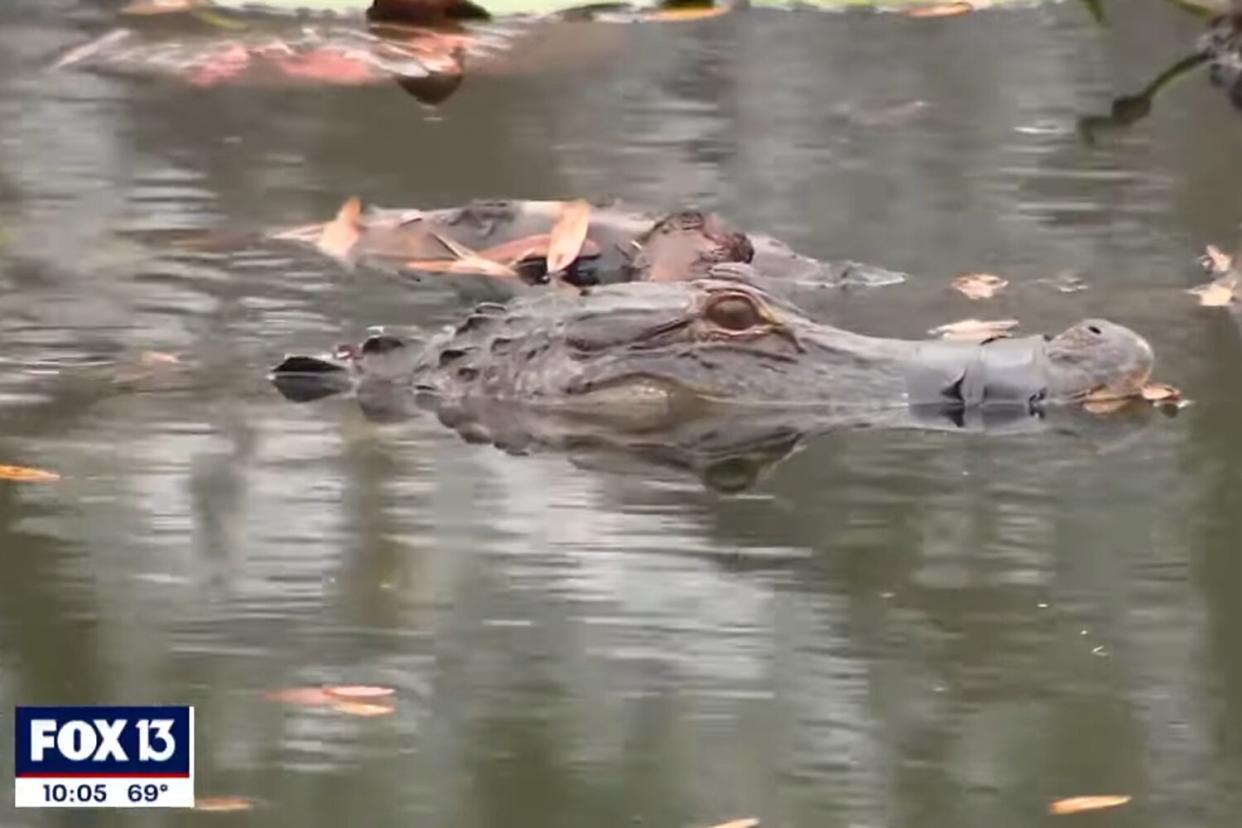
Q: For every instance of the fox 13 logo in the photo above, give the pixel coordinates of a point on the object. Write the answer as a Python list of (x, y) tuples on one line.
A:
[(104, 757)]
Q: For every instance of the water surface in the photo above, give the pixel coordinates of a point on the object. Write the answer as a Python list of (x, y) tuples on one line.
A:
[(887, 629)]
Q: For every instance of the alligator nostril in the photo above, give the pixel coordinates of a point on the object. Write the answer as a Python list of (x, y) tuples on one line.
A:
[(1095, 330)]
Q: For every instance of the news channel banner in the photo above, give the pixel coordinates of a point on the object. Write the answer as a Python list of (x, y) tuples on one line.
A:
[(104, 757)]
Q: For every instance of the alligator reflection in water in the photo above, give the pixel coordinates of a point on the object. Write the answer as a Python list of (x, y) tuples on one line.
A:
[(506, 245), (425, 47), (713, 371)]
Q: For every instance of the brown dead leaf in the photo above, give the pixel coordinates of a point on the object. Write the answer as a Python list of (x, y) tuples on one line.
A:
[(471, 266), (359, 692), (338, 237), (1216, 294), (745, 822), (309, 696), (25, 474), (975, 330), (222, 804), (941, 9), (1078, 804), (979, 285), (363, 708), (531, 247), (681, 15), (568, 235), (1216, 261), (1105, 405)]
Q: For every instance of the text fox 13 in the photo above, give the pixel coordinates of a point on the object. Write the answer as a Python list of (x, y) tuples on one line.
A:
[(104, 757)]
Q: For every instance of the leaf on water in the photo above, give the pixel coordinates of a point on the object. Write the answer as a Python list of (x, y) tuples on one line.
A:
[(363, 708), (745, 822), (979, 285), (1217, 293), (944, 9), (1105, 405), (568, 235), (222, 804), (470, 266), (1078, 804), (453, 246), (1216, 261), (359, 692), (1160, 393), (975, 330), (338, 237), (681, 15), (160, 6), (153, 359), (466, 262), (25, 474), (308, 696)]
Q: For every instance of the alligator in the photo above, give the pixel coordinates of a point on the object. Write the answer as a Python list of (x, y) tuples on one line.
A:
[(688, 366), (511, 239)]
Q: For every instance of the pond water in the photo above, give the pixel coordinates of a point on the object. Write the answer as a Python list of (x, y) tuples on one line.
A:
[(886, 629)]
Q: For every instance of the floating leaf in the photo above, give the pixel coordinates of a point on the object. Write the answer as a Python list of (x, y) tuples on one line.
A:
[(979, 285), (1078, 804), (222, 804), (358, 692), (975, 330), (941, 9), (1105, 405), (745, 822), (568, 235), (363, 708), (1216, 261), (676, 15), (1216, 293), (153, 359), (338, 237), (25, 474), (1161, 394), (471, 266), (310, 696), (142, 7)]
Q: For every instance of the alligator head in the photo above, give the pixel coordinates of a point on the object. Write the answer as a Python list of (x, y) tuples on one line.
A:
[(725, 339)]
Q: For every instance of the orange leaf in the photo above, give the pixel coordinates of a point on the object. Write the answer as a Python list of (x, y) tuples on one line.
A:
[(222, 804), (1215, 294), (310, 696), (24, 474), (979, 285), (1105, 405), (1078, 804), (363, 708), (357, 692), (745, 822), (975, 330), (940, 10), (568, 235), (681, 15), (338, 237)]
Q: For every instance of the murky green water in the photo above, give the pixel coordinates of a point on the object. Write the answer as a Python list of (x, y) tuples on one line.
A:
[(888, 629)]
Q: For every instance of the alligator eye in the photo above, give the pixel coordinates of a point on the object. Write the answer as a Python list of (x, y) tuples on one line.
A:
[(734, 313)]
